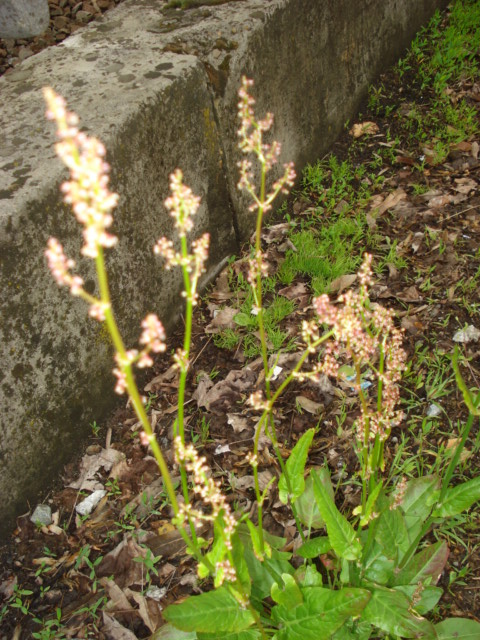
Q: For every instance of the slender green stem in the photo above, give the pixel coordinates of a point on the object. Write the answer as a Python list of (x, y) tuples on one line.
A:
[(131, 385)]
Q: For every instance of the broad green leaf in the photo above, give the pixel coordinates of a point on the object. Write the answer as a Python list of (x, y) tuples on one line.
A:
[(248, 634), (341, 534), (256, 542), (322, 613), (353, 630), (264, 574), (314, 547), (416, 500), (168, 632), (378, 568), (308, 576), (242, 319), (238, 553), (276, 542), (306, 506), (458, 629), (392, 535), (211, 612), (372, 499), (389, 610), (425, 601), (295, 468), (288, 595), (459, 498), (428, 562)]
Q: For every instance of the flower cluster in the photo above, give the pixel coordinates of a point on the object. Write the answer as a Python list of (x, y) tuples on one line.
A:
[(60, 266), (87, 190), (209, 491), (251, 141), (153, 339), (182, 204), (257, 266), (367, 335)]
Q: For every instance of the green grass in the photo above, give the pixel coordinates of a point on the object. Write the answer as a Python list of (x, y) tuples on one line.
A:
[(324, 255)]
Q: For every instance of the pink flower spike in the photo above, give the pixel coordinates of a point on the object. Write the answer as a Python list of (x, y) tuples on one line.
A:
[(60, 267), (153, 335), (87, 190)]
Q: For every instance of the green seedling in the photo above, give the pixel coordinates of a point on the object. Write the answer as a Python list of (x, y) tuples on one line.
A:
[(95, 428), (113, 488), (148, 563)]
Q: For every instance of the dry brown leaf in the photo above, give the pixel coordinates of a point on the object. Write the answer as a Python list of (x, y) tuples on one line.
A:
[(226, 393), (205, 383), (167, 377), (114, 630), (149, 610), (440, 201), (117, 600), (90, 465), (222, 288), (315, 408), (248, 482), (275, 233), (222, 320), (295, 291), (237, 422), (462, 146), (171, 543), (343, 282), (120, 563), (390, 201), (465, 185), (364, 128), (410, 294)]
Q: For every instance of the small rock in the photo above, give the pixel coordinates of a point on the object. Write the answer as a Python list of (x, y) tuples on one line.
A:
[(83, 16), (86, 507), (24, 53), (434, 410), (467, 334), (23, 18), (93, 449), (42, 515), (60, 22)]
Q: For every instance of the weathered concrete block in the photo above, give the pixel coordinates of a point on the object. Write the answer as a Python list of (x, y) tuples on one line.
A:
[(160, 90), (23, 18)]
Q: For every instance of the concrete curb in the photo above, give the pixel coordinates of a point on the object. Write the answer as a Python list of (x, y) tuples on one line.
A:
[(160, 90)]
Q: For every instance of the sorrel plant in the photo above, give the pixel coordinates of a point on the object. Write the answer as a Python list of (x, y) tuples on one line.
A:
[(372, 574)]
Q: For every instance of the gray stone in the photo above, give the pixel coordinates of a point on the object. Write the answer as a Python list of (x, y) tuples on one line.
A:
[(42, 515), (23, 18), (85, 507), (155, 108)]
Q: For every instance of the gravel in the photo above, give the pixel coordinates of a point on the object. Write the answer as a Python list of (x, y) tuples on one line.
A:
[(66, 17)]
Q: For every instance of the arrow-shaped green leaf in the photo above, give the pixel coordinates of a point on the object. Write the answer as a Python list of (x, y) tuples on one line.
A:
[(295, 468), (340, 532)]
